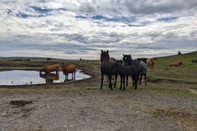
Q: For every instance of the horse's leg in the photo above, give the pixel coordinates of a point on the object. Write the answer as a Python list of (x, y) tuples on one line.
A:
[(138, 75), (145, 79), (136, 82), (116, 75), (108, 81), (110, 84), (73, 76), (120, 83), (124, 83), (140, 79), (101, 81), (133, 80), (126, 80), (66, 78)]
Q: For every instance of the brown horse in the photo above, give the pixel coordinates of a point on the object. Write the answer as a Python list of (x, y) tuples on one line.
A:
[(150, 63), (50, 68), (66, 69), (106, 68), (176, 64)]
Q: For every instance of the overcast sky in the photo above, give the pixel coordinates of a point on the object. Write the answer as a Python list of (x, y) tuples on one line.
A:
[(73, 29)]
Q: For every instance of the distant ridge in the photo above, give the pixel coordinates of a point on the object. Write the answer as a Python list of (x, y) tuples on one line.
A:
[(31, 58), (193, 54)]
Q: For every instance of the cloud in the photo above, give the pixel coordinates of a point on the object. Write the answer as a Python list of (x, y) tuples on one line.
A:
[(77, 29)]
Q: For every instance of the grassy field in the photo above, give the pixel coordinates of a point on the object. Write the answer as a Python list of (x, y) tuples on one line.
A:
[(180, 80)]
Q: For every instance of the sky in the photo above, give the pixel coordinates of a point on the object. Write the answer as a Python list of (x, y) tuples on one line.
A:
[(74, 29)]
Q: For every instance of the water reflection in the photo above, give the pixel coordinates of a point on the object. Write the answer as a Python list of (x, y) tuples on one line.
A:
[(69, 79), (22, 77), (50, 77)]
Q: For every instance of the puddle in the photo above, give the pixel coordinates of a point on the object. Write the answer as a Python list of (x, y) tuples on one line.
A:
[(22, 77)]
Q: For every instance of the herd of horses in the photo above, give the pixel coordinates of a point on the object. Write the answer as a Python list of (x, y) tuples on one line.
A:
[(136, 69), (66, 69), (127, 67)]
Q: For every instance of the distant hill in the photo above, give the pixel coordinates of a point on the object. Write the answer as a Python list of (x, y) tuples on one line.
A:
[(191, 55), (30, 58)]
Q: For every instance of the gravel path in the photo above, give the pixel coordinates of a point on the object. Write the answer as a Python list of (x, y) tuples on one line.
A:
[(66, 107)]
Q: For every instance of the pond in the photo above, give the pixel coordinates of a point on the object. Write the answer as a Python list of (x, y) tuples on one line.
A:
[(25, 77)]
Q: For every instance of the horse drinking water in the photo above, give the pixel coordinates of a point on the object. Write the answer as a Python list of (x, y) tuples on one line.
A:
[(106, 68)]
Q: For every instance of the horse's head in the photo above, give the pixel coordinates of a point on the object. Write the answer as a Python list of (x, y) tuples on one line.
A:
[(126, 59), (180, 63), (104, 58), (64, 64)]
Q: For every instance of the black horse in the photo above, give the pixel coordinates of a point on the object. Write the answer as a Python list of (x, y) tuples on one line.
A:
[(48, 59), (125, 71), (129, 61), (106, 68)]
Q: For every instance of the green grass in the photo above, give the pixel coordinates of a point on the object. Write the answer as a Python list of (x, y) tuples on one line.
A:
[(162, 79), (174, 80), (185, 73)]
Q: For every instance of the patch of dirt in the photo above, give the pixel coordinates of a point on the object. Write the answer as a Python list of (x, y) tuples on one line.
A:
[(186, 120), (193, 91)]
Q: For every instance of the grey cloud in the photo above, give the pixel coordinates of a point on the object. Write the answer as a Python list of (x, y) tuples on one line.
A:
[(125, 7), (75, 37), (87, 8), (149, 7)]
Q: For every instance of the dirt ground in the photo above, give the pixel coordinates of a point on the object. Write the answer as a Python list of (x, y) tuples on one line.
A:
[(82, 106)]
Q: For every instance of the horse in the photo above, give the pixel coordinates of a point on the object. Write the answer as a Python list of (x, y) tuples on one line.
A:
[(106, 68), (143, 71), (129, 61), (50, 68), (150, 63), (142, 59), (125, 71), (176, 64), (48, 59), (66, 69)]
